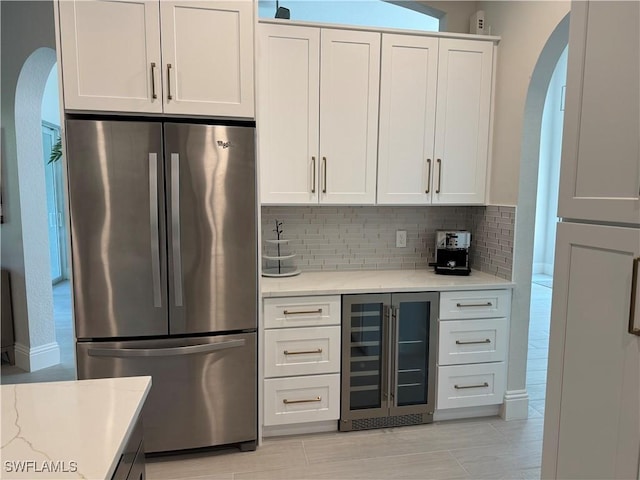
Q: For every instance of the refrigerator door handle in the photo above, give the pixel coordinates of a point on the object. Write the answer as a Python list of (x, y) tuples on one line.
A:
[(175, 228), (154, 230), (634, 293), (165, 352)]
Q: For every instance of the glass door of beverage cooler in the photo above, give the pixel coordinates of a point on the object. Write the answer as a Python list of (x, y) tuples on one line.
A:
[(413, 336), (388, 359), (365, 355)]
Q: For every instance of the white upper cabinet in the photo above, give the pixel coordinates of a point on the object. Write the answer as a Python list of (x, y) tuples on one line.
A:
[(407, 119), (207, 52), (435, 107), (355, 117), (317, 115), (349, 91), (600, 172), (465, 69), (187, 58), (111, 55), (288, 113)]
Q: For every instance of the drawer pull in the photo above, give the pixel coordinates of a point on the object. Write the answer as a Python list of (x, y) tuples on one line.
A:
[(472, 342), (462, 387), (307, 400), (303, 352), (460, 305), (302, 312)]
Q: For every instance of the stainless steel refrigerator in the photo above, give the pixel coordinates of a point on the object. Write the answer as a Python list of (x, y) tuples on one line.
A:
[(164, 251)]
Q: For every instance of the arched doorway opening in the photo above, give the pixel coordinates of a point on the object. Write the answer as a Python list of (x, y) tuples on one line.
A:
[(528, 183), (36, 347)]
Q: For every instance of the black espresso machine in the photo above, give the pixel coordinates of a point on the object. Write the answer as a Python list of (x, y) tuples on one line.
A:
[(452, 252)]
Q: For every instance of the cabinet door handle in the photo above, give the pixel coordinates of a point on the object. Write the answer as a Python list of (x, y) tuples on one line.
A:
[(313, 172), (473, 342), (154, 95), (462, 387), (439, 162), (302, 312), (306, 400), (462, 305), (634, 294), (169, 96), (303, 352), (324, 183), (428, 175)]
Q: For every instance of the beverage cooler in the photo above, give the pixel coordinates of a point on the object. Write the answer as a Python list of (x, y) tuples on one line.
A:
[(388, 359)]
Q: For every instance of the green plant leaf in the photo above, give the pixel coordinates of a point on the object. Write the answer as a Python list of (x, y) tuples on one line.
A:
[(56, 151)]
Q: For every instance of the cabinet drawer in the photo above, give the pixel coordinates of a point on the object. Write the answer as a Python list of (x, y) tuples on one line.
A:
[(475, 304), (301, 351), (470, 385), (472, 341), (301, 311), (301, 399)]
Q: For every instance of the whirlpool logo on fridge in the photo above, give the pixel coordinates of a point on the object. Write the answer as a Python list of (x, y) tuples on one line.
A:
[(224, 144)]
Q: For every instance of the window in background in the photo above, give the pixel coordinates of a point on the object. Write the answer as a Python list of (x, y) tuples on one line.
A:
[(368, 13)]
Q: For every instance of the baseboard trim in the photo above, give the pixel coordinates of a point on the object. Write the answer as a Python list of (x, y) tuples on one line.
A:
[(37, 358), (516, 405), (466, 412), (300, 428)]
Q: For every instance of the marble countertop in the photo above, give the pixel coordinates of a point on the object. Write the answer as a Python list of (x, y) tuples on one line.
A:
[(377, 281), (74, 429)]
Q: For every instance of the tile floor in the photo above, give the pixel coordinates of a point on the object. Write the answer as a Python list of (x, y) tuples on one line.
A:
[(66, 369), (466, 449)]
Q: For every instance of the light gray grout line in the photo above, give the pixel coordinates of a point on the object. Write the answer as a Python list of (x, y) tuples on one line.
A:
[(304, 450), (458, 462)]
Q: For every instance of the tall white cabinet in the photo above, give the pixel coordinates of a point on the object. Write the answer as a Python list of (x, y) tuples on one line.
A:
[(318, 114), (592, 411), (175, 57), (600, 175), (435, 110)]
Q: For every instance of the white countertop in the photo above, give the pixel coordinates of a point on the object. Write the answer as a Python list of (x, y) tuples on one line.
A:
[(60, 425), (377, 281)]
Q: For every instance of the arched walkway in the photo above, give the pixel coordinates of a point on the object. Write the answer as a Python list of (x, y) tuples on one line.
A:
[(36, 345)]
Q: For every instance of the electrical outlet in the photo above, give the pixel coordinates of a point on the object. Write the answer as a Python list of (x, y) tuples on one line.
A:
[(401, 238)]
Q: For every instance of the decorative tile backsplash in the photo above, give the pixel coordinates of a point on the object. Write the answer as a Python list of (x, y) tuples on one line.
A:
[(364, 238), (492, 234)]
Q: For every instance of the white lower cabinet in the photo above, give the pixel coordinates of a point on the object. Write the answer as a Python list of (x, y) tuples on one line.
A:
[(470, 385), (301, 399), (301, 360), (472, 348)]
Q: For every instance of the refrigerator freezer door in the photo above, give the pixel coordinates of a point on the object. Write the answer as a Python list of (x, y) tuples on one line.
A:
[(212, 233), (204, 388), (117, 226)]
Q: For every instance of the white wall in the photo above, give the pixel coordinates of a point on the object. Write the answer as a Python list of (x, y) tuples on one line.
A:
[(27, 27), (525, 28), (534, 33), (549, 171), (50, 99)]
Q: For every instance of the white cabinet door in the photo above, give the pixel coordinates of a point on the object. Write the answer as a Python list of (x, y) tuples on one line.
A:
[(349, 89), (111, 55), (600, 173), (407, 119), (288, 113), (207, 56), (465, 70), (592, 414)]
